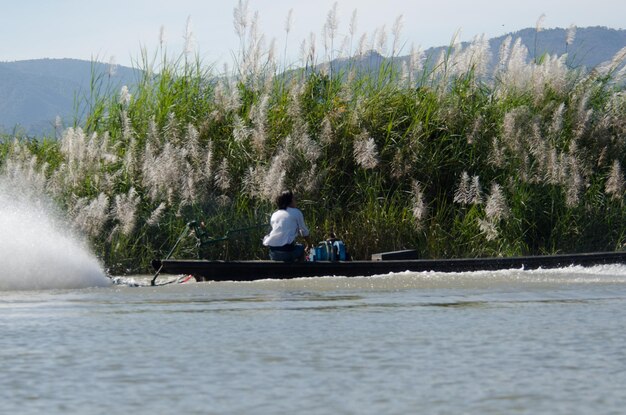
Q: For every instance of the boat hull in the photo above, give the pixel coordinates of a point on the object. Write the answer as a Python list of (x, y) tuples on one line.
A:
[(209, 270)]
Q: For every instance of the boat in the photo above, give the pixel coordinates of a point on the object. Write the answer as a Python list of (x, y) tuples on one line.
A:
[(383, 263)]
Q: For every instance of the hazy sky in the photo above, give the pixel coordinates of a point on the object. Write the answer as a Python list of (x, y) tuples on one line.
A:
[(86, 29)]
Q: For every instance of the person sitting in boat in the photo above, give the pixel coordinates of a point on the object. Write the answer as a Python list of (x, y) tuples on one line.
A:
[(287, 224)]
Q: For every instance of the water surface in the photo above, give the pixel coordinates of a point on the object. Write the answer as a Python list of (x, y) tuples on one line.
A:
[(483, 342)]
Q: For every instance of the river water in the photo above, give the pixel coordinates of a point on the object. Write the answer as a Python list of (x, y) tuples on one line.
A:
[(506, 342)]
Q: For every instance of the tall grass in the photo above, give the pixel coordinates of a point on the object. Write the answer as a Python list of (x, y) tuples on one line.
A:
[(435, 153)]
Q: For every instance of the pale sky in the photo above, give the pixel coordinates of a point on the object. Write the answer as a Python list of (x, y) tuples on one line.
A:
[(85, 29)]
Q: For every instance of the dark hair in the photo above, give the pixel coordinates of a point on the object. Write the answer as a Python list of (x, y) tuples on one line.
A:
[(284, 200)]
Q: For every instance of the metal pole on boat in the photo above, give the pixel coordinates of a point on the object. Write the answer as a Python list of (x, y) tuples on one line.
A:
[(184, 232)]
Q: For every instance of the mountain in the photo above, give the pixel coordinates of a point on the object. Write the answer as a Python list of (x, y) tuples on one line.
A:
[(591, 47), (34, 92)]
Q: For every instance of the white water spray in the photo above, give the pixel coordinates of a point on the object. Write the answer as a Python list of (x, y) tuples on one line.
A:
[(38, 250)]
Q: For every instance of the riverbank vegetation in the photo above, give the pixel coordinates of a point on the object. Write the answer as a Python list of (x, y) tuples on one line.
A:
[(447, 154)]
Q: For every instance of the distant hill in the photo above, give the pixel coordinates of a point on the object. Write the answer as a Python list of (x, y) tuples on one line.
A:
[(34, 92), (591, 47)]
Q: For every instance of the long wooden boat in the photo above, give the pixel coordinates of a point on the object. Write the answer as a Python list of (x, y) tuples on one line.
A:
[(213, 270)]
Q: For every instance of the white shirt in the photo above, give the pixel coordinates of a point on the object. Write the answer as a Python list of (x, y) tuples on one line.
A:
[(286, 225)]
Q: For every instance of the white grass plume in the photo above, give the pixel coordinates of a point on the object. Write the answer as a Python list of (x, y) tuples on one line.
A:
[(222, 175), (125, 96), (125, 210), (157, 214), (615, 182), (496, 206), (365, 151), (461, 194), (488, 228), (419, 207), (475, 191), (91, 216)]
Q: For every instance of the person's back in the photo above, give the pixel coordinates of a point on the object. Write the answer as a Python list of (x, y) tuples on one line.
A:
[(287, 224)]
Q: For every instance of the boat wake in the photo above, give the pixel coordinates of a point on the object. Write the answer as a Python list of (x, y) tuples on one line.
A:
[(145, 281), (37, 251), (566, 276), (572, 276)]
